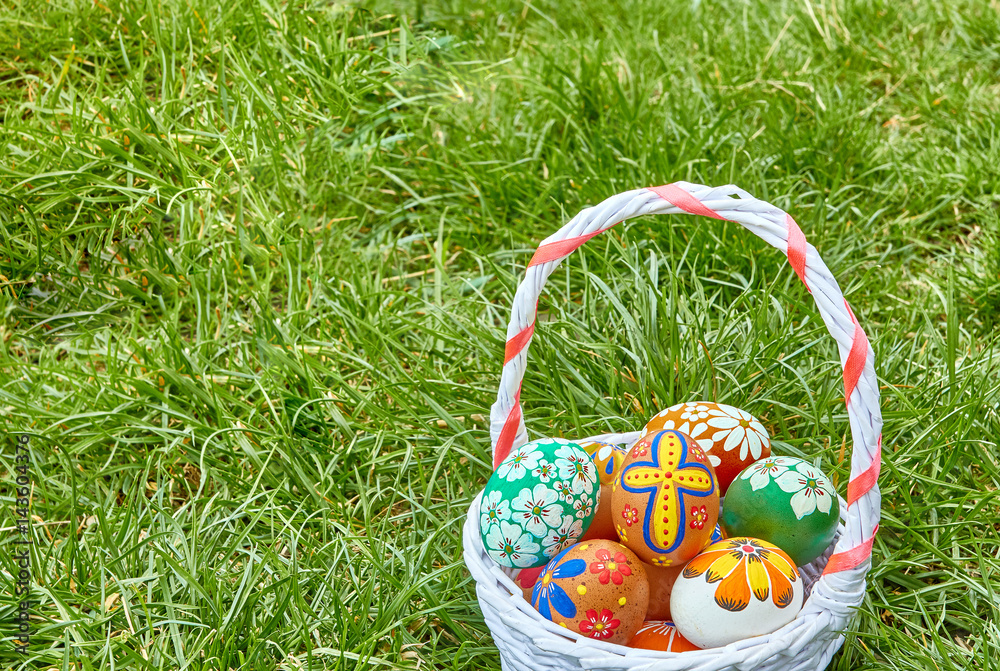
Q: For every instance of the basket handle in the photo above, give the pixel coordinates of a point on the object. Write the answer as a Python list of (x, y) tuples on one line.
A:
[(778, 229)]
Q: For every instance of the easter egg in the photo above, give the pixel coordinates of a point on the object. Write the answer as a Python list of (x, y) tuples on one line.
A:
[(525, 579), (661, 584), (541, 499), (596, 588), (785, 501), (661, 635), (608, 458), (665, 501), (732, 438), (735, 589), (603, 524)]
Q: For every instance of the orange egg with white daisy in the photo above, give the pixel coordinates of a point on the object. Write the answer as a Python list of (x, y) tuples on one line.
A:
[(732, 438)]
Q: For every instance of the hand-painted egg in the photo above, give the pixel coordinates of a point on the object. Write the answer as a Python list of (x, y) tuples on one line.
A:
[(540, 500), (608, 458), (603, 524), (661, 584), (661, 635), (785, 501), (735, 589), (732, 438), (525, 579), (597, 589), (665, 502)]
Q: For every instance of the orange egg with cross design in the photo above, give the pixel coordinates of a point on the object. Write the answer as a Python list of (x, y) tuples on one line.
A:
[(665, 500)]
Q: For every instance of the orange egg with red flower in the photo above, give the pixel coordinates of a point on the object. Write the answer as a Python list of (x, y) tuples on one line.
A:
[(735, 589), (597, 589), (665, 500)]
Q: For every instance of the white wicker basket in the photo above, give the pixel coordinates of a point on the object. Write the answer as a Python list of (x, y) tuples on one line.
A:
[(835, 582)]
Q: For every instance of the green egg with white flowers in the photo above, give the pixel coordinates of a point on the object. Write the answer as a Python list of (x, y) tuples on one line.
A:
[(785, 501), (540, 500)]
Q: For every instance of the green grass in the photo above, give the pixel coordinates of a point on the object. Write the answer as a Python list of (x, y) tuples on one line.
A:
[(258, 259)]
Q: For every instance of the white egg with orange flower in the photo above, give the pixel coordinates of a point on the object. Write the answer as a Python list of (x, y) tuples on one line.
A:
[(735, 589)]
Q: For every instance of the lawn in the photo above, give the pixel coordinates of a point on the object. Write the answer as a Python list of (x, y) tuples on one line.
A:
[(258, 260)]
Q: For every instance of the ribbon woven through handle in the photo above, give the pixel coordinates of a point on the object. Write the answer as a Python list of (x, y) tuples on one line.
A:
[(777, 228)]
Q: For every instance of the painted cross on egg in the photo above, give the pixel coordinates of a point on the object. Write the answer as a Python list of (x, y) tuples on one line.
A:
[(666, 478)]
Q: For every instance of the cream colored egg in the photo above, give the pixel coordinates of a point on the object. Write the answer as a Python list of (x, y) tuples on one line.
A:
[(735, 589)]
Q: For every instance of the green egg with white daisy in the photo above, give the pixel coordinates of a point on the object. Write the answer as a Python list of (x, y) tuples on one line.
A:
[(540, 500), (787, 502)]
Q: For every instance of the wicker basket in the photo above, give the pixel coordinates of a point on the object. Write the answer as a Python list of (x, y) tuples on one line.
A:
[(835, 582)]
